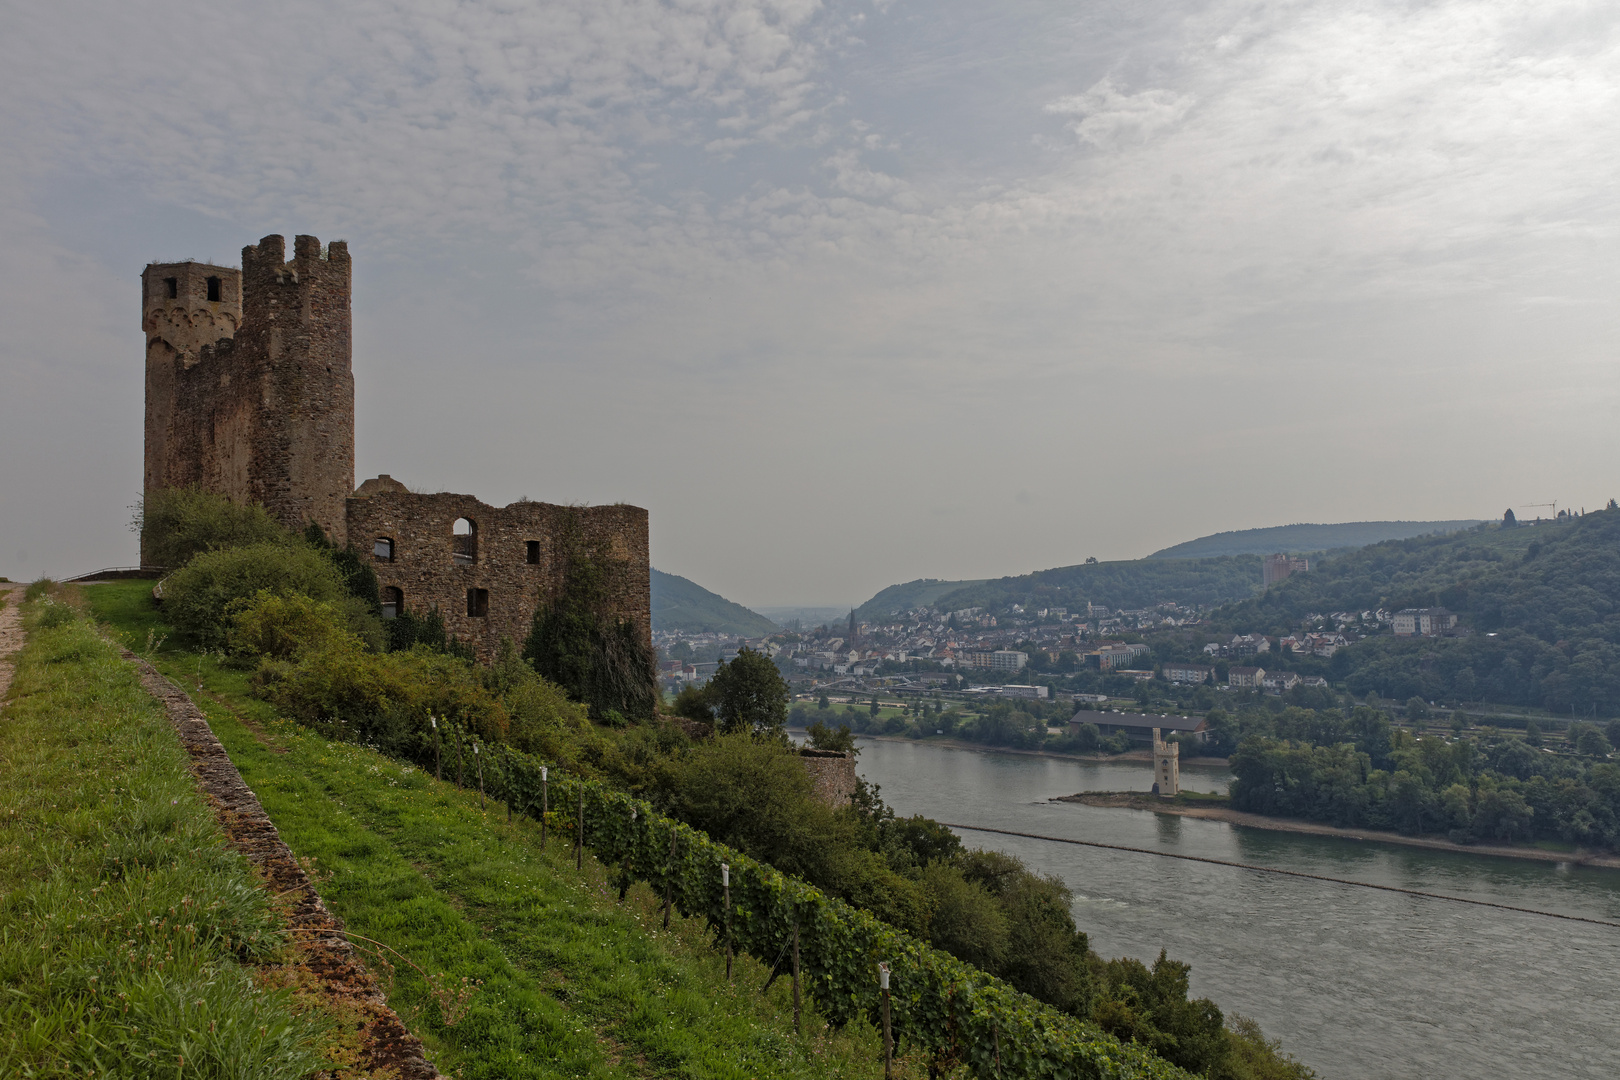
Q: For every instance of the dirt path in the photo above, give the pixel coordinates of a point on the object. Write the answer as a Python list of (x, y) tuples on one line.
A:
[(327, 953), (1130, 800), (11, 634)]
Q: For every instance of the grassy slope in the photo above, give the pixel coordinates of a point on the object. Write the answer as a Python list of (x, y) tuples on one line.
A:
[(679, 604), (122, 913), (572, 983)]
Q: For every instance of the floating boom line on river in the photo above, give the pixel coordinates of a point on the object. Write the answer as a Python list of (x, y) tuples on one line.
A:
[(1288, 873)]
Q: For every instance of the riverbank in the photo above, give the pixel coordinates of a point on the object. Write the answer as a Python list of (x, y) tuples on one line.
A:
[(1143, 755), (1136, 800)]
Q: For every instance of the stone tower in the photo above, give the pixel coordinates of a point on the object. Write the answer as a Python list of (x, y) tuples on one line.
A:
[(1166, 766), (249, 380)]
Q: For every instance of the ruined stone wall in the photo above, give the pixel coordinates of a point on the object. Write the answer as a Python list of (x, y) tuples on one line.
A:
[(832, 775), (252, 396), (424, 567), (178, 327)]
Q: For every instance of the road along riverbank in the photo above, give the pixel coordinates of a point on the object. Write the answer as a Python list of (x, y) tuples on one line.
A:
[(1136, 800)]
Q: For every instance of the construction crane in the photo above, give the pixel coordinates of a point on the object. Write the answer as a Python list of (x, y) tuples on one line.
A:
[(1552, 507)]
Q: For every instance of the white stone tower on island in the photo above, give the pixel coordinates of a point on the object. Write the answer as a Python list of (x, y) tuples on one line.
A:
[(1166, 767)]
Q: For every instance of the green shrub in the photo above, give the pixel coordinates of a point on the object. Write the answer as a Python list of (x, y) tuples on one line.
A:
[(177, 524), (286, 627), (37, 590), (199, 597)]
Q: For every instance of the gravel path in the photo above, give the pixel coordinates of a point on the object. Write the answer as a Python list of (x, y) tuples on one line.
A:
[(387, 1045), (11, 633)]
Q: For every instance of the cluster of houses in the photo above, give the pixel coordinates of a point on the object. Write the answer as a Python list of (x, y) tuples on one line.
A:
[(1238, 677)]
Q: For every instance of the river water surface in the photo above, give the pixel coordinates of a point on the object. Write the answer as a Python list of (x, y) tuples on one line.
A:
[(1358, 983)]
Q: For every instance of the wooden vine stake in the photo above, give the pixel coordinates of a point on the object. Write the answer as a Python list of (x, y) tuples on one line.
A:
[(795, 975), (888, 1034), (625, 869), (460, 773), (438, 768), (725, 885), (543, 808), (579, 837), (479, 761), (669, 879)]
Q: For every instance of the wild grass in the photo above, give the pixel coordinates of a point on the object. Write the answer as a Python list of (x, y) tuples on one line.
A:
[(567, 981), (126, 925)]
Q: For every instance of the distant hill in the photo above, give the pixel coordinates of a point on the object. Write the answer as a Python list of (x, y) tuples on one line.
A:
[(1296, 539), (679, 604), (913, 594), (1540, 610), (1130, 583), (807, 617)]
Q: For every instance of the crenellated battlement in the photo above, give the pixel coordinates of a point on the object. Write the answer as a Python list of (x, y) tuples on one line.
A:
[(250, 384)]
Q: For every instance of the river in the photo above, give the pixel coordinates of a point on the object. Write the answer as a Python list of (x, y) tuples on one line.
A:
[(1359, 984)]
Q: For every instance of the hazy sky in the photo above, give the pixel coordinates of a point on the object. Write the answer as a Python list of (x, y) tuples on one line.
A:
[(848, 293)]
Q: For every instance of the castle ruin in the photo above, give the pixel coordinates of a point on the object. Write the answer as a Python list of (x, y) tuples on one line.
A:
[(250, 395)]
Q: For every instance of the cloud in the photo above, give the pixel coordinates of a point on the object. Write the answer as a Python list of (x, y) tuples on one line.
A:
[(680, 231), (1109, 117)]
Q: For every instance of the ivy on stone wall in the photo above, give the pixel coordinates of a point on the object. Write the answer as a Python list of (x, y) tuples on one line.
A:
[(600, 660)]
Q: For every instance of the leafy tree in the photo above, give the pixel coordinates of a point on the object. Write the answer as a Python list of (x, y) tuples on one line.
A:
[(825, 702), (177, 524), (695, 703), (1532, 733), (827, 737), (874, 706), (1591, 742), (1417, 709), (749, 696), (968, 920), (355, 571)]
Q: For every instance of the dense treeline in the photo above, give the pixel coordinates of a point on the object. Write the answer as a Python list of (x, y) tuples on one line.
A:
[(1357, 769), (1539, 607), (1021, 725), (293, 610)]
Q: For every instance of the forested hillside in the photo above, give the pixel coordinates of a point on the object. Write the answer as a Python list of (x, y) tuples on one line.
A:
[(1298, 539), (1133, 583), (679, 604), (1539, 609), (924, 592)]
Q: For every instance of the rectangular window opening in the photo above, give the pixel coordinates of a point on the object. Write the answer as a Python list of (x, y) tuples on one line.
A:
[(383, 549), (172, 284), (531, 553), (213, 288), (477, 603)]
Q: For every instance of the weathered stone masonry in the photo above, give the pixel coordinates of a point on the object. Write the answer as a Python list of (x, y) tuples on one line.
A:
[(249, 380), (516, 556), (250, 394)]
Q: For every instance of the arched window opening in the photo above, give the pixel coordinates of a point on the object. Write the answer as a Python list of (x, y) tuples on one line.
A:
[(213, 288), (464, 541), (393, 603), (477, 603), (382, 549)]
